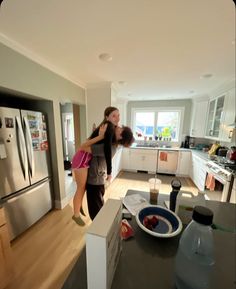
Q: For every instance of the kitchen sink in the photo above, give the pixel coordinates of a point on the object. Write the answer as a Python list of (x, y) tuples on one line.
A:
[(152, 145), (146, 146)]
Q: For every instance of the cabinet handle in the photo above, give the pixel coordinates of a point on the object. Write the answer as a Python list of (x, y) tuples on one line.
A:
[(230, 134)]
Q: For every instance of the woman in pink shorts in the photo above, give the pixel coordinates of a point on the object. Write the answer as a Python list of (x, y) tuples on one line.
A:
[(80, 162), (108, 133), (80, 165)]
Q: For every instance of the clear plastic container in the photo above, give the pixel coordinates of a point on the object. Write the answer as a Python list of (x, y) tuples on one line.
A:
[(194, 260), (154, 185)]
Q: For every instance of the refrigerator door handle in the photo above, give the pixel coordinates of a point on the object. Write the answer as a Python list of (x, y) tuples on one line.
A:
[(29, 146), (22, 147)]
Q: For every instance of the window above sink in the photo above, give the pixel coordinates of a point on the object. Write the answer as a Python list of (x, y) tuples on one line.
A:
[(157, 124)]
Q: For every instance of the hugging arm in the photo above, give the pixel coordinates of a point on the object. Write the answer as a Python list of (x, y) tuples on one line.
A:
[(86, 145), (108, 139)]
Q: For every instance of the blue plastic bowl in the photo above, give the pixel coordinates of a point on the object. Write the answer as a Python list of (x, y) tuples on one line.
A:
[(169, 224)]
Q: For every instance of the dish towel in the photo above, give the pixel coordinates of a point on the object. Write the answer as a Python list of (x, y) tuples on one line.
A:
[(210, 182), (163, 156)]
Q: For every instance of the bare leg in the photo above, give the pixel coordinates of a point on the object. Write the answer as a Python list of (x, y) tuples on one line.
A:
[(80, 178)]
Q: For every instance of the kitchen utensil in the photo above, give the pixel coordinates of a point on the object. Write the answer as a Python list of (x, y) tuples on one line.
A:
[(213, 149), (222, 152)]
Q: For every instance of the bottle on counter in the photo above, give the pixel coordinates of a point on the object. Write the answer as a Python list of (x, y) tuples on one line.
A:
[(194, 260), (176, 185)]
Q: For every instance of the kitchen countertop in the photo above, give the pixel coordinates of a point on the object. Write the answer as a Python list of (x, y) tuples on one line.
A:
[(199, 153), (134, 146)]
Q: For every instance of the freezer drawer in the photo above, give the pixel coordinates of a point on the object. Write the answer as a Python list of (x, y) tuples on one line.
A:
[(27, 208)]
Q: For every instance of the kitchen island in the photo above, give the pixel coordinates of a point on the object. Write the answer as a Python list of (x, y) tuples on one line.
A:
[(148, 262)]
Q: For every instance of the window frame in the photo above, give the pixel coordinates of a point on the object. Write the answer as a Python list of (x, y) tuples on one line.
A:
[(180, 110)]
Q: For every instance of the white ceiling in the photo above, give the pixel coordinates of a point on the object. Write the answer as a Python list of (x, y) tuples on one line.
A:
[(159, 48)]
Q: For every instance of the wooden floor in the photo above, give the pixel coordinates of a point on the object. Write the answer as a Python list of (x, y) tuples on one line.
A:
[(45, 254)]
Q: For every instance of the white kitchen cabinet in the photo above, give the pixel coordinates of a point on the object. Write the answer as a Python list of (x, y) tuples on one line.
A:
[(184, 162), (228, 118), (233, 193), (117, 163), (199, 117), (125, 158), (143, 160), (198, 171), (140, 160), (215, 114)]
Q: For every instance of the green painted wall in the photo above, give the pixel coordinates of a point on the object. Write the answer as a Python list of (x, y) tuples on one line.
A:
[(23, 77), (21, 74)]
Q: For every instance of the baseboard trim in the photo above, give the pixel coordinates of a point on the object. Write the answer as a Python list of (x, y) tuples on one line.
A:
[(61, 204)]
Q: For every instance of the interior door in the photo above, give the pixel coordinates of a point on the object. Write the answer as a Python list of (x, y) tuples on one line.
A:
[(35, 131), (77, 132), (69, 135), (13, 162)]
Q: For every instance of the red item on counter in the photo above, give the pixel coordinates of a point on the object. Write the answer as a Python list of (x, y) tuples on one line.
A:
[(150, 222), (233, 156), (126, 231)]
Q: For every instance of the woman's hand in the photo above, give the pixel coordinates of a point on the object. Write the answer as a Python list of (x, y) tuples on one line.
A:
[(102, 130), (109, 177)]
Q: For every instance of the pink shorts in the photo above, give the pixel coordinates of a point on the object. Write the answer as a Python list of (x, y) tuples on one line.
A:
[(81, 160)]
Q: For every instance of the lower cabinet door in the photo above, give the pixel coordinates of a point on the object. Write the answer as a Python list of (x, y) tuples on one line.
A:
[(184, 163), (5, 257)]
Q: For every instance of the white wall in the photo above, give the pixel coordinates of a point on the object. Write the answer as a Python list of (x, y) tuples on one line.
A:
[(98, 97), (120, 103), (83, 123)]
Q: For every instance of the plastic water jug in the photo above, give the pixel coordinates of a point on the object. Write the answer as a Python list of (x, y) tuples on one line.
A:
[(185, 202), (195, 256)]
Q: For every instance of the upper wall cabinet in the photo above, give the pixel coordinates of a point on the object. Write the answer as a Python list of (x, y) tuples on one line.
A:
[(199, 115), (215, 115), (228, 117)]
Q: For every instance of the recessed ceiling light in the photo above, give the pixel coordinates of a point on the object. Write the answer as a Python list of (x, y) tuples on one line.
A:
[(191, 91), (122, 82), (105, 57), (207, 75)]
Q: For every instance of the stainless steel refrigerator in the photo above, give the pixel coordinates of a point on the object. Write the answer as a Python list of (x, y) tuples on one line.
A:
[(25, 183)]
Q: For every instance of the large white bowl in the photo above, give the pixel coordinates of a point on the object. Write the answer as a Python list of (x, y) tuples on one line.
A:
[(169, 224)]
